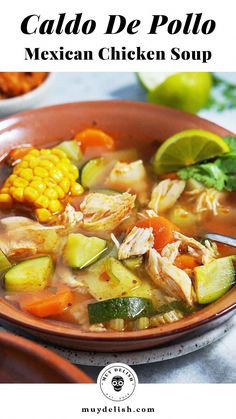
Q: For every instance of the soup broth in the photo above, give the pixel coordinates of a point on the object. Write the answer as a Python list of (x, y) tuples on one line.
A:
[(90, 235)]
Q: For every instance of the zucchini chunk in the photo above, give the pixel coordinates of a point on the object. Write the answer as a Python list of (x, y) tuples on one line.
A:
[(29, 275), (214, 279), (112, 280), (81, 251), (94, 171), (5, 264), (120, 308), (72, 150)]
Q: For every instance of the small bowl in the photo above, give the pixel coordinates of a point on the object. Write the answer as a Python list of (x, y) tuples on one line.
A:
[(23, 361), (129, 123), (28, 100)]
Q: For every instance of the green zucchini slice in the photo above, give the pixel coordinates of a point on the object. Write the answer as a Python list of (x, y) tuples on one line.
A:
[(81, 251), (29, 275), (5, 264), (120, 308), (95, 171), (72, 150), (214, 279)]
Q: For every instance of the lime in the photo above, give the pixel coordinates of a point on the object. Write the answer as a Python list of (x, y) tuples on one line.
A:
[(151, 80), (186, 148), (185, 91)]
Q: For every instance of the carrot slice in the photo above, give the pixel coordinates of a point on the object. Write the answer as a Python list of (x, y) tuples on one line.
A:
[(92, 137), (186, 262), (50, 305), (18, 153), (162, 230)]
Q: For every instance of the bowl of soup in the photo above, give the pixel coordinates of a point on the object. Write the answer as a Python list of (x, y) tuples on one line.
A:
[(23, 361), (102, 241)]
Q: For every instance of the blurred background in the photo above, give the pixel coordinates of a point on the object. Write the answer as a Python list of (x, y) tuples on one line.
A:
[(211, 95)]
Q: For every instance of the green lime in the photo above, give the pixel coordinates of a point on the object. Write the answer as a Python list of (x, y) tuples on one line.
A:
[(151, 80), (185, 91), (186, 148)]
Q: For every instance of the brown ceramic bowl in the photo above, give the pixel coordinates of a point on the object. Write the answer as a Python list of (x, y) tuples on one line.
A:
[(23, 361), (129, 123)]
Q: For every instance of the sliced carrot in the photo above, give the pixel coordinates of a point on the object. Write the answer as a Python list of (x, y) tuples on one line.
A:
[(50, 305), (92, 137), (172, 176), (162, 230), (186, 262), (18, 153)]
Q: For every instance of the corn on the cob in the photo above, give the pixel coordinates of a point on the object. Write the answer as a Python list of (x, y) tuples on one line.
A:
[(43, 180)]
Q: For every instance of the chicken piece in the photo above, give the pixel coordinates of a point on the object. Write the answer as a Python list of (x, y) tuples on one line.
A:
[(22, 237), (174, 281), (69, 277), (70, 217), (206, 199), (105, 212), (171, 251), (130, 177), (204, 253), (165, 194), (136, 243)]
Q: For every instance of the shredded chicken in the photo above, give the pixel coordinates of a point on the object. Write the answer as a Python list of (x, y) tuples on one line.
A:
[(171, 251), (69, 277), (105, 212), (24, 237), (206, 200), (136, 243), (165, 194), (204, 253), (70, 217), (169, 278), (130, 177)]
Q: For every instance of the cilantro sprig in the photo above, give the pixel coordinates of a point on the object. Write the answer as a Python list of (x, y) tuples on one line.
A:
[(219, 174)]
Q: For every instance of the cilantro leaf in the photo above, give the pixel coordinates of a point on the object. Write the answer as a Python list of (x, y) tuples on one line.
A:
[(231, 141), (227, 163), (209, 174)]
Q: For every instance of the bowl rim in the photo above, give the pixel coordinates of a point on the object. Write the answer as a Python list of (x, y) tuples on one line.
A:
[(57, 363), (74, 333)]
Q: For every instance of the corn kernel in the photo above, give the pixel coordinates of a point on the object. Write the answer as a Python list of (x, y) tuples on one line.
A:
[(42, 201), (43, 215), (4, 190), (55, 205), (51, 193), (45, 151), (30, 194), (50, 183), (34, 162), (27, 157), (11, 179), (63, 167), (54, 159), (60, 192), (46, 163), (5, 199), (56, 175), (17, 194), (26, 174), (38, 185), (19, 182), (23, 165), (65, 185), (71, 177), (74, 171), (61, 154), (40, 171), (76, 189), (34, 152)]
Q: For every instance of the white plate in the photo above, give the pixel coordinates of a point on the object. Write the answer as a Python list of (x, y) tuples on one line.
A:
[(174, 350)]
